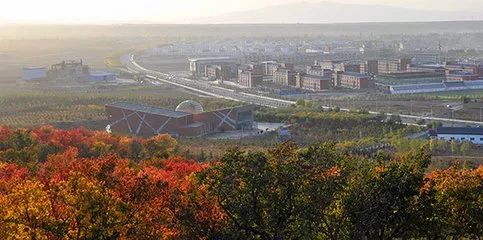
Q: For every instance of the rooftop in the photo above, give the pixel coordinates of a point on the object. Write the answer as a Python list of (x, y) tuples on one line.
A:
[(459, 130), (100, 73), (428, 66), (355, 74), (410, 74), (210, 59), (148, 109), (461, 73), (33, 68), (418, 86), (327, 78)]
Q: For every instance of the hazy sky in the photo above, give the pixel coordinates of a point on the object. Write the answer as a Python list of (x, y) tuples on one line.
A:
[(172, 11)]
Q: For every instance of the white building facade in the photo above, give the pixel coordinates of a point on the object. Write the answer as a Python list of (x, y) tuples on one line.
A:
[(34, 73), (459, 134)]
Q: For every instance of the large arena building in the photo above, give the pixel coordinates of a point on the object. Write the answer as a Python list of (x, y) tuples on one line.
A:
[(188, 119)]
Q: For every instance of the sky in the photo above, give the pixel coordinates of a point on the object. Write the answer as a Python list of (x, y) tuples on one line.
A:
[(172, 11)]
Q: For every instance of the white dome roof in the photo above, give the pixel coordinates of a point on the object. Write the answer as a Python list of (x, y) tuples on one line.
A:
[(189, 106)]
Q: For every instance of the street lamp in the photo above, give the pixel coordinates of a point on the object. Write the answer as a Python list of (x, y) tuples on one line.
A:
[(452, 112)]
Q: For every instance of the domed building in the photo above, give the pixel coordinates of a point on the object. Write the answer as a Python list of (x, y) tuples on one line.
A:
[(189, 106), (188, 120)]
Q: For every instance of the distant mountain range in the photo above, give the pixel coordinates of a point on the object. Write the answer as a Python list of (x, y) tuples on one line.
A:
[(330, 12)]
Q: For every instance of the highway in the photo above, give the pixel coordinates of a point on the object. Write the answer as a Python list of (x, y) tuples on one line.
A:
[(205, 88)]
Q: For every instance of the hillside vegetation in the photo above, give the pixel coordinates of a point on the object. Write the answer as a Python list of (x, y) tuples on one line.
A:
[(80, 184)]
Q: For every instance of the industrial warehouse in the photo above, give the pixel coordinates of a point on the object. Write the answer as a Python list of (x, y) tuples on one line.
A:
[(187, 120)]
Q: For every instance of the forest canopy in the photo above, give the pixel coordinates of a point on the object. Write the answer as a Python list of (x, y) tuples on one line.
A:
[(80, 184)]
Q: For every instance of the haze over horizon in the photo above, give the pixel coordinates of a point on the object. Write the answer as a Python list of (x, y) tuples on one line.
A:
[(191, 11)]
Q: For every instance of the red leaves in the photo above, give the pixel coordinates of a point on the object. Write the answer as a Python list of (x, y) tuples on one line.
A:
[(10, 175), (5, 133), (87, 181)]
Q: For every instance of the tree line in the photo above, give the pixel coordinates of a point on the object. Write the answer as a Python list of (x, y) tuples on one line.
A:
[(80, 184)]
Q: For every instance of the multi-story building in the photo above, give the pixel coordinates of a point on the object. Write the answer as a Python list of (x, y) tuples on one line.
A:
[(472, 68), (421, 57), (220, 72), (332, 65), (257, 69), (249, 78), (313, 82), (393, 65), (346, 66), (198, 65), (458, 75), (370, 67), (351, 67), (336, 78), (212, 72), (289, 66), (269, 67), (315, 70), (284, 76), (356, 81)]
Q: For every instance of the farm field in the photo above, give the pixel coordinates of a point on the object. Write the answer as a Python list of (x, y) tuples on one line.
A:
[(30, 105), (435, 104)]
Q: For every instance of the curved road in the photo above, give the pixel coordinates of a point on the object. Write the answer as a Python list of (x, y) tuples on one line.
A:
[(220, 92)]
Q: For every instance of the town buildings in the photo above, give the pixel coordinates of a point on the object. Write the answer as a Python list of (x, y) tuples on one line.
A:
[(198, 65), (249, 78), (313, 82), (470, 68), (393, 65), (284, 76), (221, 72), (269, 67), (458, 75), (425, 57), (370, 67), (356, 80)]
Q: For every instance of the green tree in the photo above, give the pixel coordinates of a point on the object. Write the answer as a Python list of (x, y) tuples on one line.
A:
[(454, 146), (465, 147), (300, 102), (282, 194), (377, 204)]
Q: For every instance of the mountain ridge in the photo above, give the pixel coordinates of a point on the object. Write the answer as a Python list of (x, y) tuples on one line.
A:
[(331, 12)]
